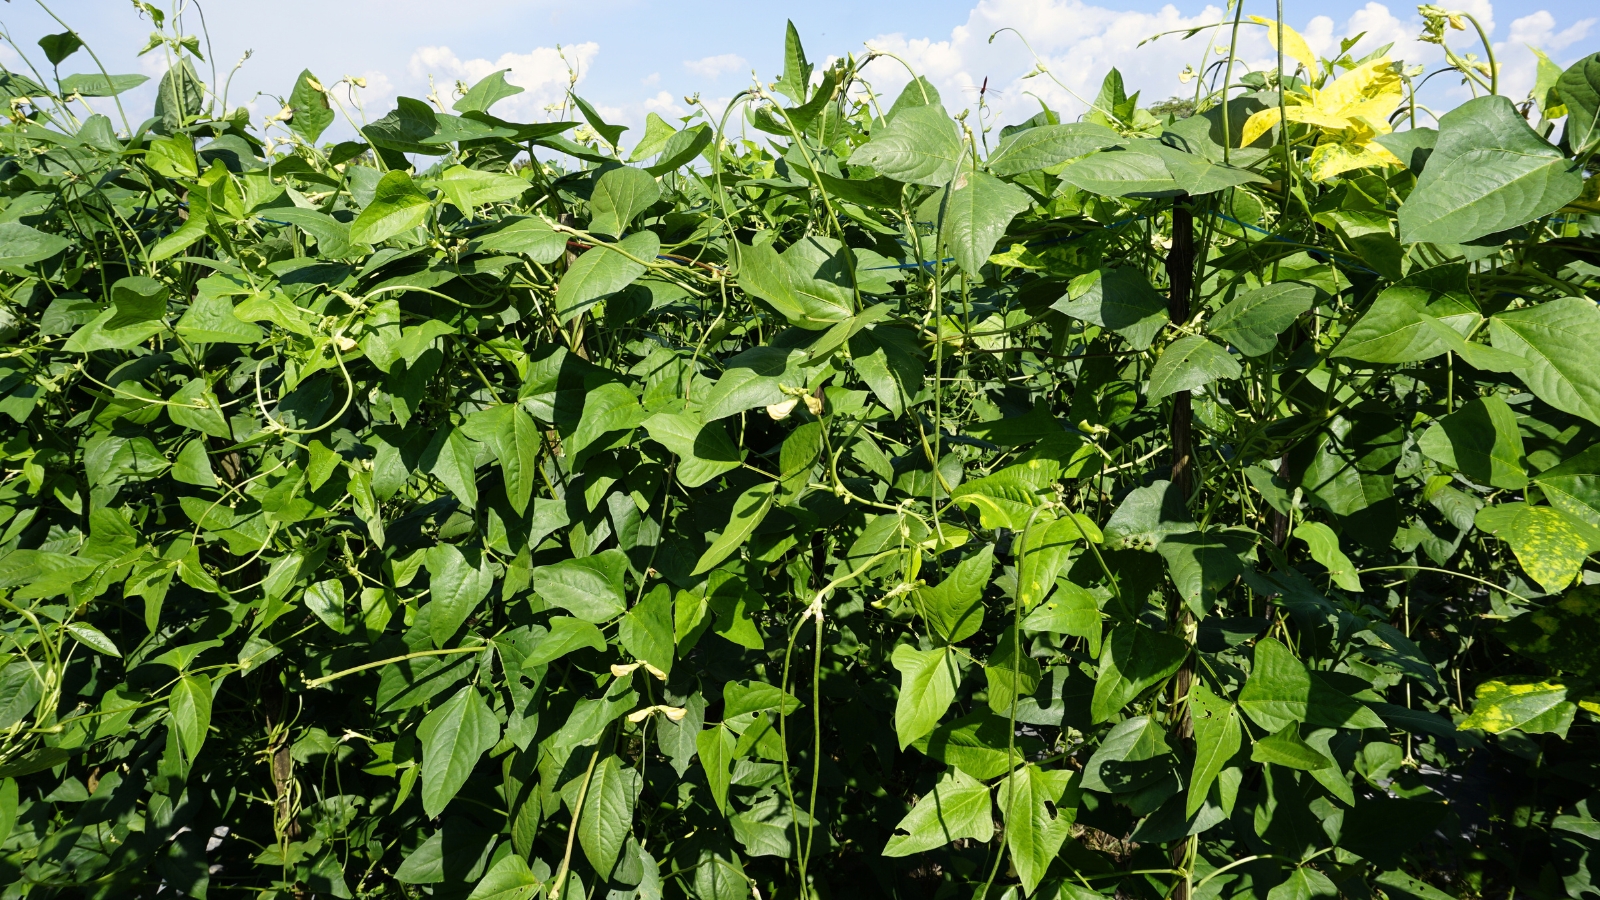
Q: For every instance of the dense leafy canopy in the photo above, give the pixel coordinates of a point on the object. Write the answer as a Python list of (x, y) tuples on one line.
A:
[(1195, 503)]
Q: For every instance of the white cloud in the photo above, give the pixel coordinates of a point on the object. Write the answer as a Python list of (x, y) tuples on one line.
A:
[(663, 105), (651, 80), (378, 96), (544, 73), (1519, 68), (716, 66), (1078, 42)]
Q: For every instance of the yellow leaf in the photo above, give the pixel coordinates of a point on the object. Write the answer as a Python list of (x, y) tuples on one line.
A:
[(1311, 115), (1369, 93), (1294, 46), (1332, 157), (1550, 545), (1258, 124)]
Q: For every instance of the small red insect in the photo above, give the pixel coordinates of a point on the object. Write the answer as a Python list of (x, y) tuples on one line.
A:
[(983, 91)]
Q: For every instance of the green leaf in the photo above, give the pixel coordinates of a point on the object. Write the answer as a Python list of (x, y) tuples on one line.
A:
[(1217, 735), (1134, 170), (1203, 563), (975, 744), (397, 206), (1119, 299), (1401, 883), (1007, 498), (1304, 883), (326, 600), (454, 735), (310, 112), (1147, 516), (1044, 553), (1395, 328), (748, 511), (657, 132), (489, 90), (98, 85), (193, 466), (1071, 610), (977, 212), (746, 697), (457, 587), (179, 96), (189, 705), (405, 129), (920, 145), (780, 280), (958, 807), (1190, 362), (1481, 441), (1526, 704), (715, 746), (565, 636), (704, 450), (1574, 486), (173, 157), (1196, 175), (1287, 748), (21, 245), (607, 817), (1324, 546), (646, 629), (608, 410), (1579, 89), (1489, 172), (928, 680), (469, 189), (591, 588), (531, 237), (211, 320), (1048, 145), (194, 407), (602, 271), (1009, 673), (888, 359), (619, 195), (681, 149), (733, 603), (1134, 659), (515, 438), (8, 807), (1557, 338), (611, 133), (1039, 809), (796, 78), (508, 879), (93, 638), (58, 47), (1252, 321), (953, 608), (1550, 544), (1282, 690), (450, 457)]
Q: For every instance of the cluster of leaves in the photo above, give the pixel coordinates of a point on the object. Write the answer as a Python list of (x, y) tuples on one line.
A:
[(1142, 507)]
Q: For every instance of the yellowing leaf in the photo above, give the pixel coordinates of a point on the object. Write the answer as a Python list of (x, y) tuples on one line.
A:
[(1331, 158), (1550, 544), (1535, 707), (1294, 46), (1259, 124), (1351, 112)]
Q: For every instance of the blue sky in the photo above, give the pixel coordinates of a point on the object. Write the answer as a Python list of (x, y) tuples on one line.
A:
[(638, 56)]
